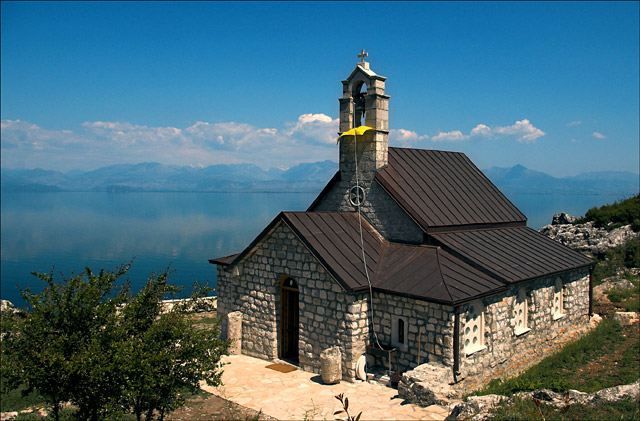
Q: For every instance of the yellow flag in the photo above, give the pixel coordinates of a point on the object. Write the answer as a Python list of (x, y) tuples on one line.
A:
[(359, 131)]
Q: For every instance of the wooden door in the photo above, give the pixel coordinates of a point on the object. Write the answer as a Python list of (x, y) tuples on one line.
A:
[(289, 324)]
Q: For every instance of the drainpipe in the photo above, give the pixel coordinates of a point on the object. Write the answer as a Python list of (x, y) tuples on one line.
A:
[(590, 291), (456, 344)]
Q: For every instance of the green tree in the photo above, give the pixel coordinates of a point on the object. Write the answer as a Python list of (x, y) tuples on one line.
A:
[(89, 341), (163, 353), (61, 348)]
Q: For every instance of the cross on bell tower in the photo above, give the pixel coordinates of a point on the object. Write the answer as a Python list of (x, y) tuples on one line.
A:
[(363, 63)]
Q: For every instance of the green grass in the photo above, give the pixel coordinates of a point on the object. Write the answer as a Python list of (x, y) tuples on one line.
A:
[(626, 255), (12, 400), (630, 298), (557, 372), (526, 409)]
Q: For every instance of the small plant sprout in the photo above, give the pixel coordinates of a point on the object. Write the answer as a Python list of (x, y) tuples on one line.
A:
[(344, 401)]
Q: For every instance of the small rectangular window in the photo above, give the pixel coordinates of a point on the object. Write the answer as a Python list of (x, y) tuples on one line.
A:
[(399, 332)]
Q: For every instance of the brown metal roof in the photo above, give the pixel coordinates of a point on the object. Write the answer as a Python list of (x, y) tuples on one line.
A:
[(334, 238), (226, 260), (431, 273), (419, 271), (481, 239), (512, 254), (444, 189)]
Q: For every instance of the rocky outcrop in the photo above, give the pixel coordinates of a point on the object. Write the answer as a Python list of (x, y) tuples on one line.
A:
[(427, 384), (476, 407), (585, 238), (615, 282), (562, 219), (479, 407), (7, 306)]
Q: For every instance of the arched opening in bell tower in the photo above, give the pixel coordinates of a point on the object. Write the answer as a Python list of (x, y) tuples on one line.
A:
[(358, 93)]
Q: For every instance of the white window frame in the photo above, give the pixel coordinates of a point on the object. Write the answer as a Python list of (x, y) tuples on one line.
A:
[(521, 313), (473, 331), (557, 305), (395, 333)]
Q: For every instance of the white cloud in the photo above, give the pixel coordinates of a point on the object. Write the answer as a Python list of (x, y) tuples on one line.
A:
[(127, 133), (311, 138), (22, 134), (598, 135), (314, 128), (453, 136), (481, 130), (523, 130), (405, 138), (229, 135), (574, 123)]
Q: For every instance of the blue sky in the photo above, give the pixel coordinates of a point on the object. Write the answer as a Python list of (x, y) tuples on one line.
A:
[(551, 86)]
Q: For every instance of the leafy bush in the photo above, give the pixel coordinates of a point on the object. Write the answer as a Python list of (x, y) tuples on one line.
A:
[(87, 341), (626, 255), (616, 215)]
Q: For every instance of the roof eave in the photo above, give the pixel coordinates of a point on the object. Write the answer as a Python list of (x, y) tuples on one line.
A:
[(556, 272), (452, 302)]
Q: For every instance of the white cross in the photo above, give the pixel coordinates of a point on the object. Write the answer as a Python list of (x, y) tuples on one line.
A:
[(362, 55)]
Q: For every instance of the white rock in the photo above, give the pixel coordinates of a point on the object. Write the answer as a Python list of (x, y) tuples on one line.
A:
[(625, 318)]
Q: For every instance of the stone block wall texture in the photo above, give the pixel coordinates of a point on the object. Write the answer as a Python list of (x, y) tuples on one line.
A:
[(508, 354), (328, 316), (379, 209), (431, 323)]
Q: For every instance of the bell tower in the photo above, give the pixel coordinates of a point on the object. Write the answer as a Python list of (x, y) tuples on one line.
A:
[(364, 103)]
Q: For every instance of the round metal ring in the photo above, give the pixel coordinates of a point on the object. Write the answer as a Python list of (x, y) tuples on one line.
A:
[(356, 196)]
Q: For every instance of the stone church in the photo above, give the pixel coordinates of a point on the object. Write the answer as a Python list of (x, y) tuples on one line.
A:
[(407, 256)]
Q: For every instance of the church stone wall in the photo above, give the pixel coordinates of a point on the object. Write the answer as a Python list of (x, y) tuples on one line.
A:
[(429, 328), (328, 316), (379, 209), (508, 354)]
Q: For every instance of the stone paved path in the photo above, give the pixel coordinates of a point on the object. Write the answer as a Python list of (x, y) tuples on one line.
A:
[(293, 395)]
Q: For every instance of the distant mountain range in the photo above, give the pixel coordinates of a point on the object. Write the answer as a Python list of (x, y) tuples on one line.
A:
[(151, 176), (519, 179)]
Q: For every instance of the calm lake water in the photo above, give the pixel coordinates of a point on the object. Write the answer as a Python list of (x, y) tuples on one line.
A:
[(69, 231)]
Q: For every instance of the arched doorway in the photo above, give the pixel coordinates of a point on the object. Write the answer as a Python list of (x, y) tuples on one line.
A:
[(289, 324)]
